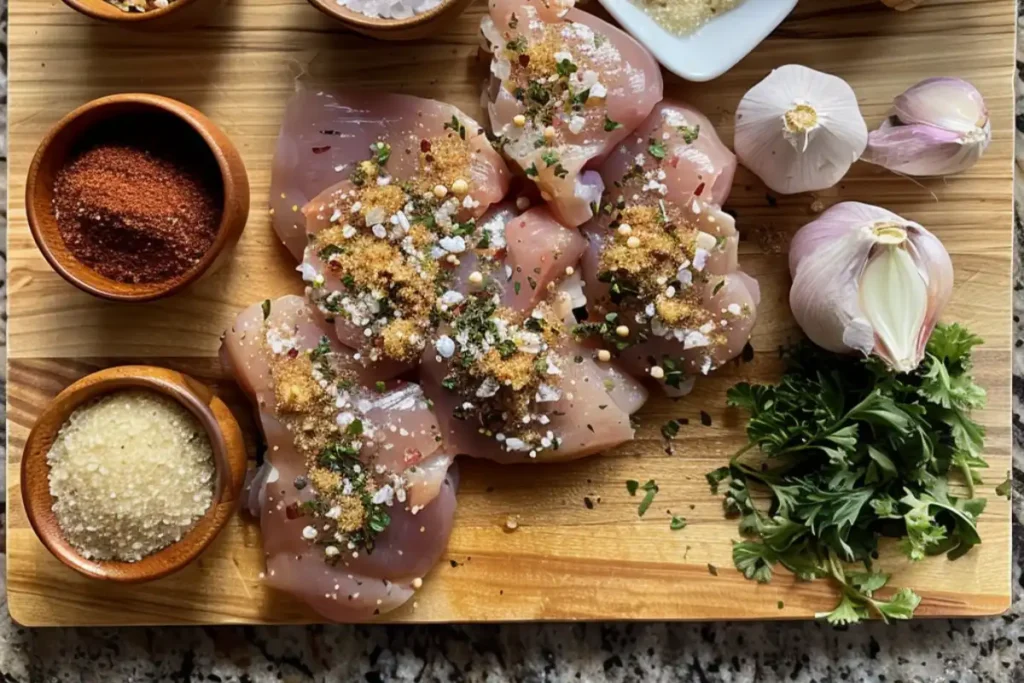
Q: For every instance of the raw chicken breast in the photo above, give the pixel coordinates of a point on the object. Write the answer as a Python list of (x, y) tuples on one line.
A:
[(514, 387), (356, 500), (325, 135), (381, 245), (564, 92), (528, 256), (662, 263)]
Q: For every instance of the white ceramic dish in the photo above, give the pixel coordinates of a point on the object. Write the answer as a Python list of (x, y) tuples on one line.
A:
[(712, 50)]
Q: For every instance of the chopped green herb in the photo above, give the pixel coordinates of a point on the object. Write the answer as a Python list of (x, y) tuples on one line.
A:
[(266, 308), (531, 171), (456, 126), (850, 452), (579, 100), (610, 125), (632, 485), (381, 387), (517, 44), (381, 152), (670, 429), (560, 171), (517, 286), (565, 68), (1005, 489), (549, 157), (656, 149), (652, 489), (689, 133), (677, 523)]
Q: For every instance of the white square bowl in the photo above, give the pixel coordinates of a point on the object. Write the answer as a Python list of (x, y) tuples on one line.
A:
[(711, 50)]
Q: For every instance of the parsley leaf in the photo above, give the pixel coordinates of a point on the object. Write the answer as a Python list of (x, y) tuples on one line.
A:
[(652, 489), (656, 149), (631, 486), (677, 523), (849, 452), (610, 125)]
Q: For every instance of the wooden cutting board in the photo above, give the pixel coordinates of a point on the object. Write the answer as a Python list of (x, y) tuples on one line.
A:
[(580, 550)]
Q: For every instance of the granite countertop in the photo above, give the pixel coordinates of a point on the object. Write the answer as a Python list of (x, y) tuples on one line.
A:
[(918, 651)]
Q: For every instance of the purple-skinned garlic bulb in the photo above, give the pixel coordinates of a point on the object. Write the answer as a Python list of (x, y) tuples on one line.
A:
[(868, 280), (938, 127)]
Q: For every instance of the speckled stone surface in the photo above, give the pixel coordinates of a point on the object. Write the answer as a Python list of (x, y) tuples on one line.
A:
[(917, 652)]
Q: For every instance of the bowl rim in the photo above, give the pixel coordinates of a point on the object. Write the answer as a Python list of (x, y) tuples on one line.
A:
[(666, 46), (379, 24), (34, 474), (88, 8), (111, 106)]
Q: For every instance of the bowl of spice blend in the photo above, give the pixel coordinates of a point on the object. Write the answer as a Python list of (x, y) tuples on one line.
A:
[(146, 15), (394, 19), (131, 472), (134, 197)]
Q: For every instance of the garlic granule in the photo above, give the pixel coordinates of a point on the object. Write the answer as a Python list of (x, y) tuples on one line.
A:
[(130, 473)]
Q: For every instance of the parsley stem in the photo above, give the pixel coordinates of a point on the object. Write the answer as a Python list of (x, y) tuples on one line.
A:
[(965, 469)]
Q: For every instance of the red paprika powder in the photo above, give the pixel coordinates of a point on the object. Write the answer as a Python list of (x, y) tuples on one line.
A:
[(136, 211)]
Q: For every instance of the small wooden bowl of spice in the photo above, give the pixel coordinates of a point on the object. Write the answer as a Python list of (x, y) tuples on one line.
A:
[(147, 15), (131, 472), (394, 19), (134, 197)]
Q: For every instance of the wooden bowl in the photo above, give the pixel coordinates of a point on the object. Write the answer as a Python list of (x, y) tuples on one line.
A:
[(182, 123), (179, 14), (415, 27), (229, 458)]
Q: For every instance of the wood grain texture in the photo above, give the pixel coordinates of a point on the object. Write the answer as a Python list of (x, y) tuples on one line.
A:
[(565, 561)]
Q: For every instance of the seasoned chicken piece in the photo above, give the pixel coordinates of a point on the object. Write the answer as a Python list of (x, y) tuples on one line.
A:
[(356, 499), (663, 284), (512, 386), (325, 136), (382, 244), (564, 92)]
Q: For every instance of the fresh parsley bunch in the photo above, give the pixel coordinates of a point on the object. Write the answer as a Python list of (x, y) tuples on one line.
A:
[(853, 452)]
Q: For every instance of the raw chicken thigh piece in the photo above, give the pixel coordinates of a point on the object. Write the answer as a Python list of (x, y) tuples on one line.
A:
[(696, 159), (382, 245), (513, 387), (528, 256), (356, 500), (662, 260), (325, 135), (564, 92)]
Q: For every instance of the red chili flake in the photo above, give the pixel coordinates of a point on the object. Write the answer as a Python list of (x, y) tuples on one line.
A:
[(424, 146), (699, 190), (293, 512), (412, 455), (321, 150), (293, 353), (674, 163), (429, 158), (524, 60)]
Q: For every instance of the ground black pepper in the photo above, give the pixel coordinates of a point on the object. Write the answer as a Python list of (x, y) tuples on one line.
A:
[(137, 212)]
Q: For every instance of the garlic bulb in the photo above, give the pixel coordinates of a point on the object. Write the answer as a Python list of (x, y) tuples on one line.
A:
[(938, 127), (799, 129), (865, 279)]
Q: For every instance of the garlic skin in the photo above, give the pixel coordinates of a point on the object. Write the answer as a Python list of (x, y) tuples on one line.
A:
[(799, 129), (938, 127), (868, 280)]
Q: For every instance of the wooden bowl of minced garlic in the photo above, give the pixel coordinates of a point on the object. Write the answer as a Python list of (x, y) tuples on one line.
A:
[(131, 472)]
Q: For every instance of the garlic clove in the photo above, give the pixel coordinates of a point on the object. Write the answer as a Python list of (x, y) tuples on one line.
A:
[(949, 103), (940, 126), (920, 150), (799, 129), (894, 298)]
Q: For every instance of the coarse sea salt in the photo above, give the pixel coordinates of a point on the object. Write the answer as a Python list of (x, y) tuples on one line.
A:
[(130, 473), (390, 9)]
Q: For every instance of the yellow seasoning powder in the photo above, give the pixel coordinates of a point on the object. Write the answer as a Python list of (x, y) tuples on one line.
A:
[(683, 17), (130, 473)]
